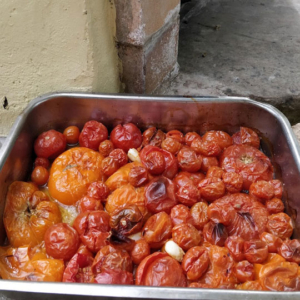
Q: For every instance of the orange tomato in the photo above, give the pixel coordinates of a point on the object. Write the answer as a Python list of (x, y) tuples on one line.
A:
[(72, 173)]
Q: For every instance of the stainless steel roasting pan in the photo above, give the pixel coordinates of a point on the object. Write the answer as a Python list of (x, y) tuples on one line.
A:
[(199, 114)]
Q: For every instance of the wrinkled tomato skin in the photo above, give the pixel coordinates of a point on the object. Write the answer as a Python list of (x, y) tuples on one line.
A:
[(221, 213), (190, 137), (170, 166), (126, 137), (92, 134), (148, 134), (160, 195), (195, 262), (138, 176), (109, 166), (215, 234), (188, 160), (278, 189), (111, 276), (61, 241), (233, 182), (244, 271), (172, 145), (274, 206), (176, 134), (214, 172), (93, 229), (272, 241), (246, 136), (235, 246), (256, 251), (247, 161), (88, 204), (208, 162), (199, 214), (120, 156), (280, 225), (290, 250), (181, 214), (261, 190), (159, 269), (50, 144), (186, 236), (98, 190), (106, 147), (211, 188), (158, 138), (154, 162), (157, 230), (188, 195), (206, 148), (250, 286), (41, 161), (222, 138), (140, 251), (79, 269), (110, 257)]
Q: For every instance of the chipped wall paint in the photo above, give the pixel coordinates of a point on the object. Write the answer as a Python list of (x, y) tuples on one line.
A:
[(51, 45)]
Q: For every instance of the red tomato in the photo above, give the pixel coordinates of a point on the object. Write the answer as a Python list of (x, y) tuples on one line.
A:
[(50, 144), (222, 138), (126, 137), (208, 162), (262, 190), (92, 134), (140, 251), (188, 160), (211, 188), (190, 136), (181, 214), (93, 229), (233, 182), (40, 175), (159, 269), (256, 251), (186, 236), (278, 189), (61, 241), (280, 225), (273, 242), (41, 161), (246, 136), (199, 214), (98, 190), (120, 156), (215, 233), (172, 145), (110, 276), (138, 176), (214, 171), (176, 134), (160, 195), (72, 134), (207, 148), (221, 213), (89, 204), (274, 206), (244, 271), (106, 147), (290, 250), (235, 246), (247, 161), (79, 269)]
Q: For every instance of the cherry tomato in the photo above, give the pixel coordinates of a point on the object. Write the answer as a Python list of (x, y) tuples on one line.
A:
[(189, 138), (148, 134), (199, 214), (262, 190), (50, 144), (188, 195), (274, 206), (214, 172), (88, 204), (155, 162), (109, 166), (235, 246), (110, 276), (244, 271), (290, 250), (98, 190), (140, 251), (247, 161), (92, 134), (79, 269), (172, 145), (222, 138), (223, 213), (208, 162), (106, 147), (40, 175), (120, 156), (159, 269), (215, 233), (61, 241), (43, 162), (157, 230), (176, 134), (126, 137), (211, 188), (186, 236), (188, 160), (280, 225), (256, 251), (72, 134), (246, 136), (278, 189), (206, 148), (194, 177), (72, 172), (273, 242), (26, 221), (195, 262), (181, 214), (110, 257), (157, 139), (160, 195), (138, 176), (233, 182), (93, 229)]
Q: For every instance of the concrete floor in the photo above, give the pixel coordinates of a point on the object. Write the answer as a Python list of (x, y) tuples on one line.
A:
[(240, 47)]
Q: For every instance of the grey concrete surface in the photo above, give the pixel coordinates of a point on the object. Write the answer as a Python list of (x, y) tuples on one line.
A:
[(241, 47)]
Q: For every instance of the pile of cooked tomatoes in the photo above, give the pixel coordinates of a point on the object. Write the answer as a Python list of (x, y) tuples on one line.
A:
[(151, 208)]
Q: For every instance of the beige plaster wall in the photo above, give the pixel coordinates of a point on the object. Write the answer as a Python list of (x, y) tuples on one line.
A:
[(53, 45)]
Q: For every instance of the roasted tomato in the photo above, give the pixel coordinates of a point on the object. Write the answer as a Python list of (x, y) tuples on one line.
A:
[(233, 182), (126, 137), (181, 214), (79, 269), (188, 160), (244, 271), (158, 161), (159, 269), (72, 134), (246, 136), (28, 214), (215, 233), (157, 230), (61, 241), (93, 229), (40, 175), (148, 134), (92, 134), (250, 285), (88, 204), (140, 251), (235, 246), (109, 166), (207, 148), (223, 213), (214, 172), (72, 173), (208, 162), (274, 206), (199, 214), (222, 138), (160, 195), (98, 190), (278, 189), (120, 156), (111, 276), (43, 162), (172, 145), (290, 250), (138, 176), (157, 139), (106, 147), (256, 251), (247, 161), (280, 225), (273, 242), (186, 236), (211, 188), (190, 136), (195, 262), (262, 190), (176, 134), (50, 144), (110, 257)]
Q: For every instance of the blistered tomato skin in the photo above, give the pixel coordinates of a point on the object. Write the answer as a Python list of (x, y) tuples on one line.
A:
[(280, 225), (88, 204), (278, 189), (126, 137), (186, 236), (207, 148), (222, 138), (256, 251), (199, 214), (92, 134), (215, 233), (208, 162), (138, 176), (214, 172), (50, 144), (61, 241), (224, 213), (172, 145), (290, 250), (190, 137), (98, 190), (235, 246), (211, 188), (176, 134), (244, 271), (233, 182), (262, 190), (111, 276), (106, 147), (120, 156), (159, 269), (109, 166), (188, 160), (273, 242), (274, 206), (181, 214), (246, 136), (140, 251)]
